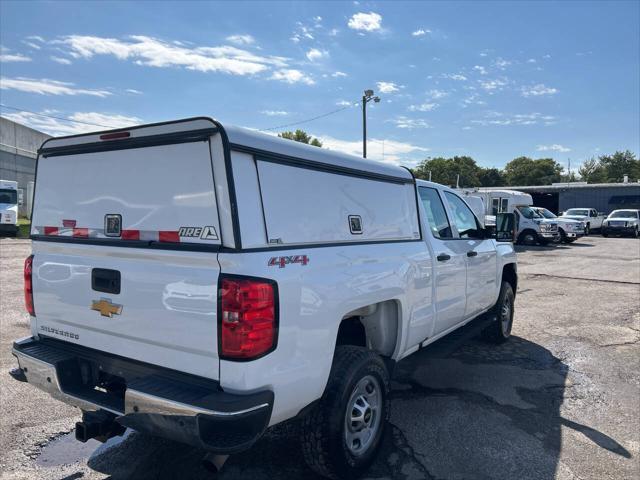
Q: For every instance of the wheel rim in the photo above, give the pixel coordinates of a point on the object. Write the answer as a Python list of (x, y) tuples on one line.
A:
[(506, 314), (362, 419), (529, 239)]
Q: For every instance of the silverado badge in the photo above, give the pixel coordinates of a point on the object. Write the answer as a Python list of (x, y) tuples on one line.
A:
[(106, 308)]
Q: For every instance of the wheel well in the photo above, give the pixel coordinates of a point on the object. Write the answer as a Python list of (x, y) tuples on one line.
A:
[(374, 326), (509, 275)]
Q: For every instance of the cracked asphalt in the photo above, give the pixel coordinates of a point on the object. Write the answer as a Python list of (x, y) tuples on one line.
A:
[(560, 400)]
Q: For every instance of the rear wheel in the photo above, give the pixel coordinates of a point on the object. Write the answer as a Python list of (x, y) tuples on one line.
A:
[(500, 330), (636, 232), (342, 434)]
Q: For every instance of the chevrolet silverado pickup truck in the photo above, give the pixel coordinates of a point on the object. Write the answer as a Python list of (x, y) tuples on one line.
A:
[(591, 218), (203, 283)]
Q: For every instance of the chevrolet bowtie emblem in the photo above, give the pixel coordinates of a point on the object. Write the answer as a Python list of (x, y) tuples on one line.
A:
[(106, 308)]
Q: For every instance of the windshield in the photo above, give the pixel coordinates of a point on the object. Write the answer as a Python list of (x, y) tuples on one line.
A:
[(577, 211), (8, 196), (624, 214), (528, 212), (546, 213)]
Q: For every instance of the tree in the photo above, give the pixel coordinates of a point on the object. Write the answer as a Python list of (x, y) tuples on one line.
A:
[(618, 165), (491, 177), (592, 172), (527, 171), (446, 170), (302, 137)]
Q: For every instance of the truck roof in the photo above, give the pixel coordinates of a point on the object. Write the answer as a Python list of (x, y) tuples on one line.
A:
[(239, 139)]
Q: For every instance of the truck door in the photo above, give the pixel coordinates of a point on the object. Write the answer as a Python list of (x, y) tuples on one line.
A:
[(480, 255), (449, 265)]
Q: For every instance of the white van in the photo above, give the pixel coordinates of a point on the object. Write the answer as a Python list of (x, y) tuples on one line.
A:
[(9, 207), (531, 227), (203, 283)]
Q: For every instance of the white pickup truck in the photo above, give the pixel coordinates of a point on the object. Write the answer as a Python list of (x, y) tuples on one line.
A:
[(9, 207), (591, 218), (203, 283)]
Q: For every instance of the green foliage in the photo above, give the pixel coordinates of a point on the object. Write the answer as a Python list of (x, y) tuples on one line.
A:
[(302, 137), (446, 170), (592, 172), (527, 171), (618, 165)]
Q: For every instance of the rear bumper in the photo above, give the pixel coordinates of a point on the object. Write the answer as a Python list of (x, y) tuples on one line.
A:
[(148, 399)]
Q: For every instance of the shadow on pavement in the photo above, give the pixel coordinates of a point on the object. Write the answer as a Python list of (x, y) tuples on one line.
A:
[(482, 412)]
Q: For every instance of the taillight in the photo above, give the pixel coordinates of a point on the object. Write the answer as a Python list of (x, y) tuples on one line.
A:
[(28, 285), (248, 317)]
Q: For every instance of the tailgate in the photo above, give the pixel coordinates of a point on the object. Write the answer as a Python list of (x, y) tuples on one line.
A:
[(125, 251)]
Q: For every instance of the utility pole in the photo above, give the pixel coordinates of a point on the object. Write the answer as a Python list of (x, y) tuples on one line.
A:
[(366, 98)]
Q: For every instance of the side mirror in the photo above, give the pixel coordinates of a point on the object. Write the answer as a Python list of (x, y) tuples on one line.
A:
[(505, 228)]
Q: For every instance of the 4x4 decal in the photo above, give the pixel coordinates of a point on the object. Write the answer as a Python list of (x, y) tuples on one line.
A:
[(281, 262)]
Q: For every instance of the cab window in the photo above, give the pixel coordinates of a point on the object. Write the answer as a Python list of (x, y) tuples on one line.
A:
[(435, 213), (463, 218)]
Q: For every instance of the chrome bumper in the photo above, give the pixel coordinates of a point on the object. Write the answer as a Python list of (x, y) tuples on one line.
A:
[(232, 424)]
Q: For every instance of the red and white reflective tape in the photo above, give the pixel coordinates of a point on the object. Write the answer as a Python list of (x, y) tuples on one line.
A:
[(169, 236)]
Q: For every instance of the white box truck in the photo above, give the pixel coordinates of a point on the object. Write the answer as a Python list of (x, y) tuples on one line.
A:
[(203, 283), (8, 207)]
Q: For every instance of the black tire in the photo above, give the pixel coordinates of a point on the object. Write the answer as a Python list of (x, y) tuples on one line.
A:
[(324, 429), (571, 240), (528, 237), (563, 236), (605, 234), (499, 331), (587, 230), (636, 233)]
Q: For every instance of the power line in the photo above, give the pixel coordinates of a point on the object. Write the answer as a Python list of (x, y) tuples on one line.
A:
[(309, 119), (66, 119)]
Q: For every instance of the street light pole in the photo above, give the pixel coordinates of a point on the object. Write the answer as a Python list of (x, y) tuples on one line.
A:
[(366, 98)]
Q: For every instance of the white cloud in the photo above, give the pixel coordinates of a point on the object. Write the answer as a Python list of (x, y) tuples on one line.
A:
[(388, 87), (483, 54), (7, 56), (501, 63), (333, 32), (546, 56), (344, 103), (436, 94), (532, 60), (57, 127), (241, 39), (423, 107), (368, 22), (275, 113), (152, 52), (338, 74), (480, 69), (387, 151), (291, 75), (493, 86), (553, 148), (455, 76), (420, 32), (47, 87), (315, 54), (410, 123), (501, 119), (133, 91), (33, 45), (60, 60), (538, 90)]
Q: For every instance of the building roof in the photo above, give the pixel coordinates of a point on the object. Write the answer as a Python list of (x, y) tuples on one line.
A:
[(565, 186)]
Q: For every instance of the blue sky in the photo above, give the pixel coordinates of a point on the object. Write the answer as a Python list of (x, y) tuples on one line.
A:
[(493, 80)]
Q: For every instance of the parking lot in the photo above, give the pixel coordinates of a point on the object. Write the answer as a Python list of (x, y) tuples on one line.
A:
[(561, 399)]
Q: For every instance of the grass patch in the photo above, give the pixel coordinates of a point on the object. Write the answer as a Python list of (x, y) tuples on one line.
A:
[(24, 227)]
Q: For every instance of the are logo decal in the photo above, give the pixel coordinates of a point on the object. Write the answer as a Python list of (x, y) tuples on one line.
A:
[(204, 233), (281, 262)]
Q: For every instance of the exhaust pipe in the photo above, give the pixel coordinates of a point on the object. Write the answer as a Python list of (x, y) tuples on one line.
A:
[(99, 425), (214, 462)]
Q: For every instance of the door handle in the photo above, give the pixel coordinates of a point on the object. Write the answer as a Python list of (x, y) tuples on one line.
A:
[(443, 257), (472, 253)]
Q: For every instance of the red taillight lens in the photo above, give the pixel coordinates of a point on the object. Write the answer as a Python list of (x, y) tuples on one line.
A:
[(248, 324), (28, 285)]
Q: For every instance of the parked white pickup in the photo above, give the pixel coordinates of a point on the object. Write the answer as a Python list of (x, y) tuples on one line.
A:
[(590, 216), (203, 283)]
